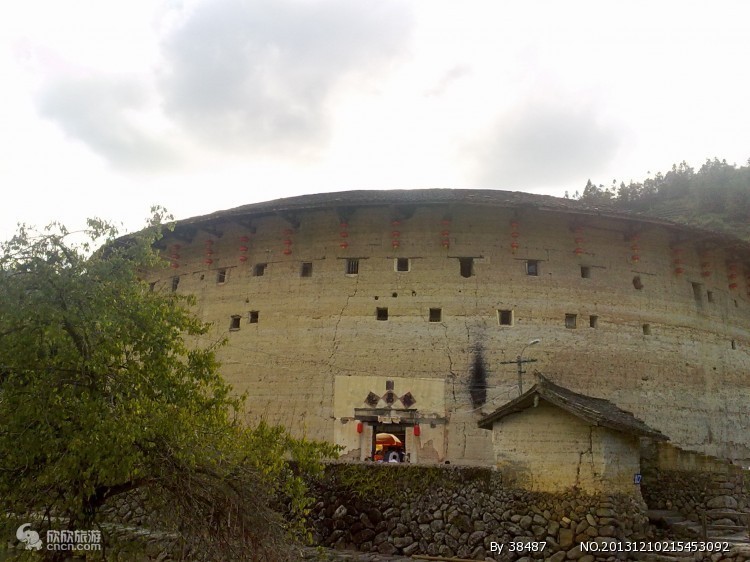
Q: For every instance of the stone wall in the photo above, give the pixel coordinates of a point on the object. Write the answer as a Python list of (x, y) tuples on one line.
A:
[(694, 485), (451, 511)]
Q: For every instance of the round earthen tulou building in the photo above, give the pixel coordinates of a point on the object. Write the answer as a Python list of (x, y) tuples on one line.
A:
[(360, 313)]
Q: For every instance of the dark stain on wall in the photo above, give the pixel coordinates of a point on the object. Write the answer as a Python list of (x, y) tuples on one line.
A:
[(478, 379)]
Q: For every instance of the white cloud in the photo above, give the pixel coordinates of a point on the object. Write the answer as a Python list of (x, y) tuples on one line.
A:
[(259, 75), (544, 142), (102, 112)]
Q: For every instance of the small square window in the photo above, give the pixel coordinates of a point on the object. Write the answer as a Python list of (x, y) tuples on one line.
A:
[(593, 321), (381, 313), (175, 282), (466, 266), (402, 264), (571, 320), (260, 269), (306, 269), (532, 268), (436, 315), (505, 317), (352, 266), (221, 275), (234, 323), (647, 329), (252, 316), (585, 272), (710, 296), (697, 293)]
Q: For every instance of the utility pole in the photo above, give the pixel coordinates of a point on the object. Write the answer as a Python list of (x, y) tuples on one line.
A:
[(519, 362)]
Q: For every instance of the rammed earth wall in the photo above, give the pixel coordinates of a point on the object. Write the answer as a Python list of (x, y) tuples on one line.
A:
[(459, 512)]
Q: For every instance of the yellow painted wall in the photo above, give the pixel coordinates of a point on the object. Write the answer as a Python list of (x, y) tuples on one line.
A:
[(547, 449)]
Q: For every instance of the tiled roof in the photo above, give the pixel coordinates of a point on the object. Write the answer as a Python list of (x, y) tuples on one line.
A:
[(438, 197), (595, 411)]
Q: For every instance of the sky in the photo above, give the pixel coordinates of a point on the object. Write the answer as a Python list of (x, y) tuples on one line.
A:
[(109, 108)]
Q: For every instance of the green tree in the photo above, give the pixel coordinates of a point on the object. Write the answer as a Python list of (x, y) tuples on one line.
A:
[(100, 394)]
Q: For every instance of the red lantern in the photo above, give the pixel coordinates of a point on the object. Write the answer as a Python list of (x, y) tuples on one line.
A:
[(344, 234), (287, 251), (208, 261), (244, 239), (243, 258), (344, 245), (395, 234), (417, 431), (395, 244), (359, 427)]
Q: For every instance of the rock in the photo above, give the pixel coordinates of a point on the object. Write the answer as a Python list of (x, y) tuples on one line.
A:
[(525, 522), (411, 549), (608, 531), (364, 535), (566, 538), (587, 558), (581, 527), (445, 551), (386, 548), (437, 525), (722, 502), (592, 521), (379, 539), (365, 520), (340, 512), (476, 538), (463, 522), (557, 557), (479, 553), (552, 528), (539, 520), (401, 542), (574, 553)]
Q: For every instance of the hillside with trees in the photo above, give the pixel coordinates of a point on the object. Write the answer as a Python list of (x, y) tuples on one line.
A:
[(716, 197)]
